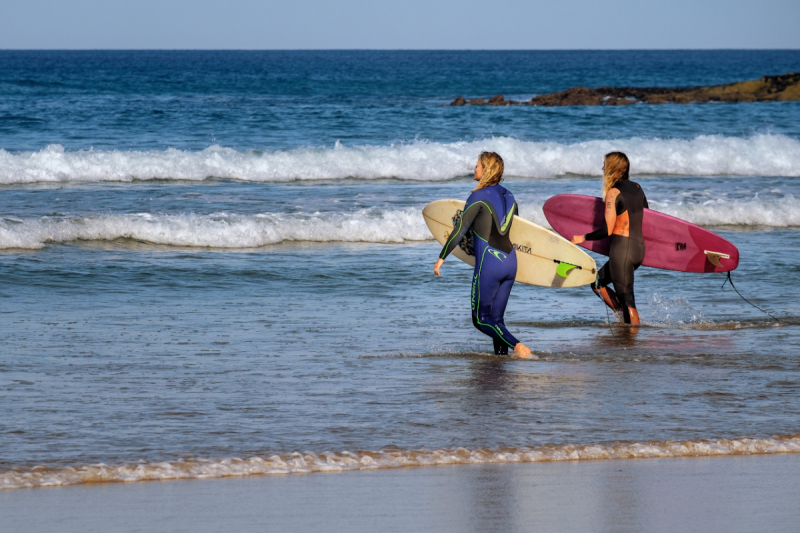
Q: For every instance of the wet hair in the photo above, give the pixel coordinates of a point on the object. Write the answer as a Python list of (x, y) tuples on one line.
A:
[(617, 167), (493, 167)]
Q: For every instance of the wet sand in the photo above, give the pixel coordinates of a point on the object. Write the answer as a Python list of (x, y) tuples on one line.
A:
[(730, 494)]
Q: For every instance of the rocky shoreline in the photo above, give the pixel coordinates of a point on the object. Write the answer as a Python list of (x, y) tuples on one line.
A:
[(785, 87)]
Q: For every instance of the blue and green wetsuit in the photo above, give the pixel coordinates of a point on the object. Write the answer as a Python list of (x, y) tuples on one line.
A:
[(488, 215)]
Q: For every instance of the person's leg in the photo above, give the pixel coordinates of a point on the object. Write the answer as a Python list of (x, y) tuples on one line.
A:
[(601, 288), (636, 256), (473, 312), (476, 285), (500, 302), (500, 347), (621, 269), (498, 307), (609, 297), (493, 272), (498, 310), (484, 288), (495, 317), (485, 282)]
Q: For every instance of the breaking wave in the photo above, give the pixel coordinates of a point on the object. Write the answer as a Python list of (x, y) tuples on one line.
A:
[(308, 462), (758, 155), (218, 230), (231, 231), (780, 212)]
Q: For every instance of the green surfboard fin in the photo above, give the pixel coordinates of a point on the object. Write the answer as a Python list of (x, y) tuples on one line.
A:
[(563, 269)]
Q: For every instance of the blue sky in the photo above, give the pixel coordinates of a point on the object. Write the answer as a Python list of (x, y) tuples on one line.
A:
[(408, 24)]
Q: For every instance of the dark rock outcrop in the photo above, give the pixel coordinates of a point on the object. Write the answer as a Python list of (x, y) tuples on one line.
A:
[(785, 87)]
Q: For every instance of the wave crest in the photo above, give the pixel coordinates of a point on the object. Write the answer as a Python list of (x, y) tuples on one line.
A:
[(231, 231), (779, 212), (308, 462), (708, 155), (219, 230)]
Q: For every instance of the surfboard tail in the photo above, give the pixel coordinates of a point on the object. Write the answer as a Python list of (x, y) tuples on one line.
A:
[(714, 257)]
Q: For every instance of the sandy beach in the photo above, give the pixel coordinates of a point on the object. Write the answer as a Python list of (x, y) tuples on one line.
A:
[(727, 494)]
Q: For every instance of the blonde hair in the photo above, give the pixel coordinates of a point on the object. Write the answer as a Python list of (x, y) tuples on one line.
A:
[(617, 167), (493, 167)]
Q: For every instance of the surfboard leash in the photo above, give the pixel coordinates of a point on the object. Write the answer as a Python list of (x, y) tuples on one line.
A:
[(608, 323), (729, 279)]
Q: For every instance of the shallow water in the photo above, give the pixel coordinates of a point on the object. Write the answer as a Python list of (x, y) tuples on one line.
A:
[(166, 319)]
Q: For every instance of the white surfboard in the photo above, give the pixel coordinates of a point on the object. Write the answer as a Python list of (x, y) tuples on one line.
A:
[(543, 257)]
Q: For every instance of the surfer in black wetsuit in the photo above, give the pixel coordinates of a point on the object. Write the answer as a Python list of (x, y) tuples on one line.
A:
[(624, 206), (488, 216)]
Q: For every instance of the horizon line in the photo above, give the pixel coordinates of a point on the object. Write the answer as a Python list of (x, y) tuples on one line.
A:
[(399, 49)]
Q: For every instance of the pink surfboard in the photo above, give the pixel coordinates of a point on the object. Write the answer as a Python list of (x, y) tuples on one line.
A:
[(671, 243)]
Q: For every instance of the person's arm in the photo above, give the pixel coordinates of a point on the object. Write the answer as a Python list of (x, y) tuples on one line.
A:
[(467, 218), (610, 217), (646, 205)]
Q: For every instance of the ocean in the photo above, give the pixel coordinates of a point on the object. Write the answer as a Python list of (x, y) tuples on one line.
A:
[(214, 264)]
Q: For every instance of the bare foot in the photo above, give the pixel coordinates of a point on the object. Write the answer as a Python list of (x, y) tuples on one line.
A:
[(522, 351)]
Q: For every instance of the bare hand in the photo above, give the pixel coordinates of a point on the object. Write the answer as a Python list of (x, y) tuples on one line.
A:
[(438, 265), (578, 239)]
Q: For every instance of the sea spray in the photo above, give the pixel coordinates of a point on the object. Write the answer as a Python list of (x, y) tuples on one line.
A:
[(665, 311)]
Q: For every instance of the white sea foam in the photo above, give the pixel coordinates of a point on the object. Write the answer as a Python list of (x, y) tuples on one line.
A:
[(219, 230), (758, 155), (779, 212), (226, 230), (308, 462)]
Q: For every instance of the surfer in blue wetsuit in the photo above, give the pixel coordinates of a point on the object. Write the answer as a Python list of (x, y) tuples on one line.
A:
[(488, 217), (624, 206)]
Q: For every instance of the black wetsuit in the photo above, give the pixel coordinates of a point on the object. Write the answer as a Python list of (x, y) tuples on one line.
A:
[(626, 253)]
